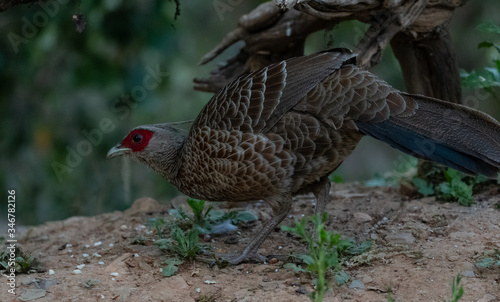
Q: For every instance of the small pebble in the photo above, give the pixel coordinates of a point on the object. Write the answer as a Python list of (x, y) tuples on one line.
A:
[(77, 272), (114, 274), (123, 227), (136, 255), (69, 245), (87, 245), (273, 261), (101, 263), (51, 272), (357, 284), (81, 266), (85, 255), (111, 245), (198, 290), (96, 255), (400, 238), (97, 243), (469, 274)]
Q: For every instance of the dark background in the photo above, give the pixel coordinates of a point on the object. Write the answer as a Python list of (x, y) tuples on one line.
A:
[(57, 84)]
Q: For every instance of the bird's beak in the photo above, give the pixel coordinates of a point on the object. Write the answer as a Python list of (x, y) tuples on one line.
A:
[(117, 150)]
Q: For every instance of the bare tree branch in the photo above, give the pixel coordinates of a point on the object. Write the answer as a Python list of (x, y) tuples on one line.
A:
[(270, 35)]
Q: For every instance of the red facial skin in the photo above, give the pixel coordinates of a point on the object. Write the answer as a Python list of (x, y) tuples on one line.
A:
[(137, 140)]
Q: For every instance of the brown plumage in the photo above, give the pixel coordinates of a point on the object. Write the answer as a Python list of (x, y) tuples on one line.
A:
[(281, 130)]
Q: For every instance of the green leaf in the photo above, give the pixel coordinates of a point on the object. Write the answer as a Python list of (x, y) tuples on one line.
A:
[(179, 214), (486, 262), (218, 215), (462, 192), (424, 188), (156, 223), (336, 178), (196, 205), (445, 189), (332, 260), (246, 216), (163, 244), (480, 79), (174, 261), (488, 28), (290, 229), (480, 178), (452, 174), (306, 258), (485, 44), (342, 278), (358, 249), (169, 270)]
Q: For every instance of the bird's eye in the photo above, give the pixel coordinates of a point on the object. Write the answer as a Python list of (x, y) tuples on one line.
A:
[(137, 138)]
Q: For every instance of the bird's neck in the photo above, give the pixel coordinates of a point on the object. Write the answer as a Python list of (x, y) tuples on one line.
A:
[(168, 162)]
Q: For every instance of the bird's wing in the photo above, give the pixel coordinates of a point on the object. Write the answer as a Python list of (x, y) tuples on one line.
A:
[(256, 101), (354, 94)]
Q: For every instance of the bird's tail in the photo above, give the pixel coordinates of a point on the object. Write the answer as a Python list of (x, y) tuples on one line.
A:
[(454, 135)]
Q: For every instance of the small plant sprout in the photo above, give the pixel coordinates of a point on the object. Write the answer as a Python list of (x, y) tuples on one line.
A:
[(324, 250), (457, 290)]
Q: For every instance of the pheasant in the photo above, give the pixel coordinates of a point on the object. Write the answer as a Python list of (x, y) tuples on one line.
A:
[(281, 130)]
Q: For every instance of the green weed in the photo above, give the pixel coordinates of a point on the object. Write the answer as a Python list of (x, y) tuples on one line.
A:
[(456, 187), (457, 290), (158, 225), (325, 248), (185, 244), (182, 244), (487, 78), (172, 266), (389, 295), (335, 178), (24, 262), (204, 220), (490, 260)]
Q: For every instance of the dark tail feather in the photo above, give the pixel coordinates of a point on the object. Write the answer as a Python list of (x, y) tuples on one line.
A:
[(457, 136)]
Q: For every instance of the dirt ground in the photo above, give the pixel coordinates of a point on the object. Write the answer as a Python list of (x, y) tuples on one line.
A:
[(419, 246)]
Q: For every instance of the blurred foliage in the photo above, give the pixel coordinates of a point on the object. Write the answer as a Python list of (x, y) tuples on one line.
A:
[(59, 86), (487, 78), (64, 93)]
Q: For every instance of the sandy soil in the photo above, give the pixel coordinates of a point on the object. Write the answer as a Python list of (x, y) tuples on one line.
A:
[(419, 246)]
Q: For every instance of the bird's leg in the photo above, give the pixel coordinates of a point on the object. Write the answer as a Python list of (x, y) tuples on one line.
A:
[(322, 194), (250, 251)]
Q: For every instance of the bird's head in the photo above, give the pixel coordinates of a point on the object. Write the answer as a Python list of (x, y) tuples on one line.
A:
[(158, 146)]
